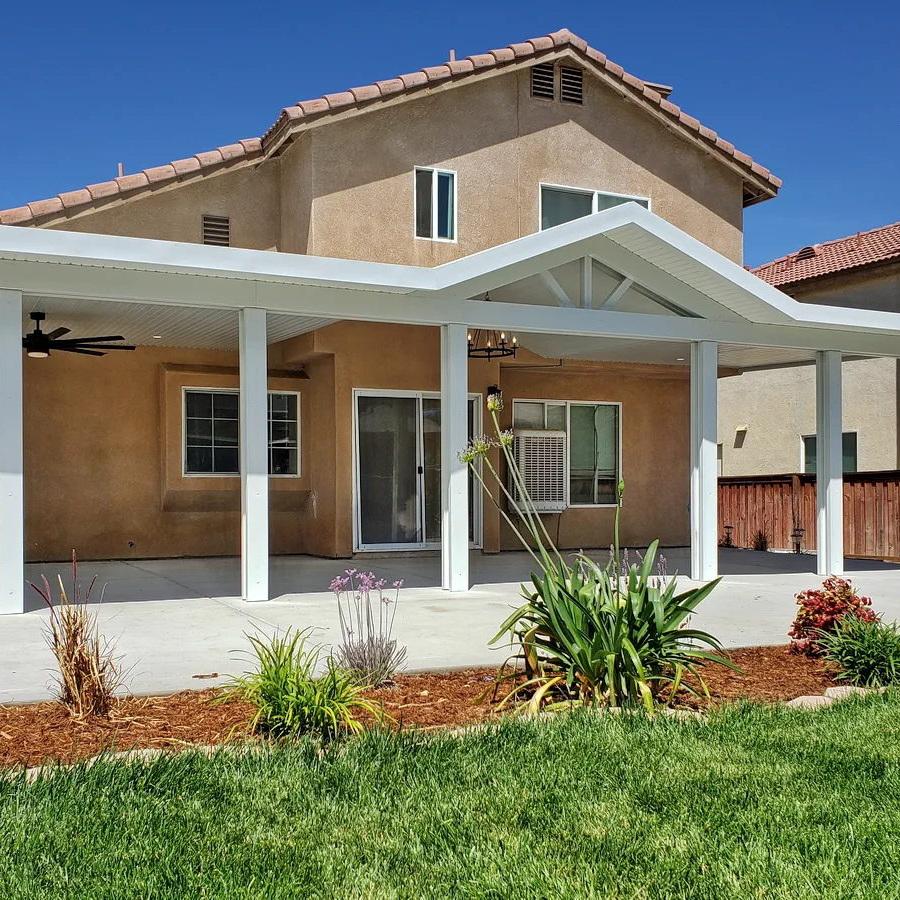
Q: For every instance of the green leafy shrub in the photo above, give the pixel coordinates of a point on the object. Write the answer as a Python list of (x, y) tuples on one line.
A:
[(867, 651), (292, 698), (591, 634)]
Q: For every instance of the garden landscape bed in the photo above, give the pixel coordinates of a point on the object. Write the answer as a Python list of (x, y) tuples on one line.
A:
[(750, 801), (39, 733)]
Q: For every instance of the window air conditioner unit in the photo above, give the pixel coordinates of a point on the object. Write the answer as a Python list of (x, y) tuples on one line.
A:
[(541, 457)]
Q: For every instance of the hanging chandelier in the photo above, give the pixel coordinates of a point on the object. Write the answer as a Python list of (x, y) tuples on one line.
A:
[(487, 343)]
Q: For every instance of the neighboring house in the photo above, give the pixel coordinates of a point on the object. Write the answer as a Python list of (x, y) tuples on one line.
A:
[(767, 418), (601, 221)]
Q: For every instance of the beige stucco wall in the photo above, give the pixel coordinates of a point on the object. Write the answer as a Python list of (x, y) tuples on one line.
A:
[(345, 187), (779, 406), (103, 441), (249, 196), (655, 463), (103, 460), (357, 174)]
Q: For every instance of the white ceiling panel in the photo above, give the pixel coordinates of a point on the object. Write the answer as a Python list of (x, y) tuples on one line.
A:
[(158, 325)]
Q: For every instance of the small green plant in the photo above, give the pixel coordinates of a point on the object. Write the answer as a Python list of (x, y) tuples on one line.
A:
[(292, 698), (761, 541), (867, 651), (589, 634)]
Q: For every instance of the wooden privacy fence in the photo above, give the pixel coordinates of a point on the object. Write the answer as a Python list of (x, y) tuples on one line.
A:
[(778, 504)]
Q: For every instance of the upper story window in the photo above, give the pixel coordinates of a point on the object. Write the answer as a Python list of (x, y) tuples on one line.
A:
[(216, 230), (211, 433), (435, 204), (562, 204), (848, 442), (549, 81)]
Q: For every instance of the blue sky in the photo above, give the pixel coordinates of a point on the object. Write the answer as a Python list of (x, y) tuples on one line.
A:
[(807, 88)]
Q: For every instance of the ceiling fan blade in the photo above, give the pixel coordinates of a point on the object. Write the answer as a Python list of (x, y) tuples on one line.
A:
[(93, 340), (105, 347), (57, 333), (77, 350)]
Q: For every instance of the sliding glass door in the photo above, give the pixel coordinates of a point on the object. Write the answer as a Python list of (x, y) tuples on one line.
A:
[(398, 470)]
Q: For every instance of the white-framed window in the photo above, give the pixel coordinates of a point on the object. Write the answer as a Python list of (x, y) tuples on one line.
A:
[(559, 203), (594, 446), (435, 204), (848, 449), (211, 429)]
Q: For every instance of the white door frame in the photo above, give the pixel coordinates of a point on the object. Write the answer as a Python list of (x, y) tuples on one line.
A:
[(477, 511)]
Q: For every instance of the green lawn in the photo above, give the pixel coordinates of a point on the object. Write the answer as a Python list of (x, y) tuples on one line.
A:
[(755, 803)]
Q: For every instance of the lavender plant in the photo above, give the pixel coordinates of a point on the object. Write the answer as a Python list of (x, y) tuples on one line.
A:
[(366, 611)]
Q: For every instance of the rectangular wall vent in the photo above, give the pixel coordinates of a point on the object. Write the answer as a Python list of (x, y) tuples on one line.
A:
[(542, 81), (217, 231), (571, 85), (541, 458)]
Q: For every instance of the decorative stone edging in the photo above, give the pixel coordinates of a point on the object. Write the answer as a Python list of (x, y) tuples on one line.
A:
[(832, 695)]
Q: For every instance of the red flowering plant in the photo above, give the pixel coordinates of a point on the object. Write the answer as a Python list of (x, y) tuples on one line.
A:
[(822, 609)]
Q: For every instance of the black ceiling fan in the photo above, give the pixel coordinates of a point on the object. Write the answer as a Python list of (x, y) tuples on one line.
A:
[(38, 344)]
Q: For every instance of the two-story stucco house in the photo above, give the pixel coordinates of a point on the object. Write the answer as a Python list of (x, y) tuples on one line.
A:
[(363, 254), (760, 437)]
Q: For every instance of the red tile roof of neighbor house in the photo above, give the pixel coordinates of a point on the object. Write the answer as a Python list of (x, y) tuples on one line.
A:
[(760, 183), (880, 245)]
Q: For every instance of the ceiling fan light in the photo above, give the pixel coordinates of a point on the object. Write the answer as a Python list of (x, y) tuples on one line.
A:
[(38, 354)]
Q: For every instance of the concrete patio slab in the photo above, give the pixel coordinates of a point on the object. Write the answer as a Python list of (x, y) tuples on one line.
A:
[(174, 620)]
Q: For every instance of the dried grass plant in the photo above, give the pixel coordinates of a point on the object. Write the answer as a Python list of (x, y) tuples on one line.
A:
[(88, 672)]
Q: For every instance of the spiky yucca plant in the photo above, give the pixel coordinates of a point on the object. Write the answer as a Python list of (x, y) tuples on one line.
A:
[(585, 634)]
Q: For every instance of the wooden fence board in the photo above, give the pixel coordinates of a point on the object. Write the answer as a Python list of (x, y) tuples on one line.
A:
[(776, 504)]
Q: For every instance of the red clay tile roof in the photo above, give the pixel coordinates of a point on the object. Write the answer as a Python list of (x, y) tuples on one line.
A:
[(760, 183), (866, 248), (179, 170)]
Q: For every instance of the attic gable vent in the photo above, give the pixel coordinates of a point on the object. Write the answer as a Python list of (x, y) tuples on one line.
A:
[(542, 81), (217, 231), (571, 85)]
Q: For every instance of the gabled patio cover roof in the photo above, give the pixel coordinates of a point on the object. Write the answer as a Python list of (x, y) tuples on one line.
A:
[(726, 303)]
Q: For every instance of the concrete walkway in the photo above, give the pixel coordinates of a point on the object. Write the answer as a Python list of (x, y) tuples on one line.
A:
[(174, 620)]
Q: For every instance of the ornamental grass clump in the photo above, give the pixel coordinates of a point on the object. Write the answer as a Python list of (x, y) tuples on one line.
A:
[(587, 634), (296, 692), (867, 651), (366, 611), (821, 610), (87, 672)]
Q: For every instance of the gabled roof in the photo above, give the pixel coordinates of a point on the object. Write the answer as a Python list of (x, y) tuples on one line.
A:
[(880, 245), (759, 182)]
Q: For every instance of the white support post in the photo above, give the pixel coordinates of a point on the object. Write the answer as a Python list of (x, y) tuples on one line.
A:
[(704, 477), (587, 281), (12, 492), (829, 465), (454, 475), (254, 415)]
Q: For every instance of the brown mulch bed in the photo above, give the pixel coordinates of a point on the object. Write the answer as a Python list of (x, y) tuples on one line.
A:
[(37, 733)]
